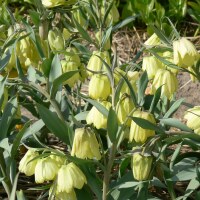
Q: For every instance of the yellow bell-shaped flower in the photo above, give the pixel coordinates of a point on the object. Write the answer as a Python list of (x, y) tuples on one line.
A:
[(99, 87), (56, 40), (137, 133), (96, 64), (67, 67), (185, 53), (53, 3), (78, 16), (192, 116), (141, 166), (71, 55), (45, 170), (154, 40), (70, 177), (27, 164), (97, 118), (85, 144), (66, 34), (151, 64), (167, 80), (123, 109)]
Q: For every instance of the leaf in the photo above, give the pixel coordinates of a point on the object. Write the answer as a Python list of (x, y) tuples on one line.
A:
[(112, 125), (142, 85), (145, 124), (173, 108), (59, 80), (106, 37), (20, 195), (95, 103), (54, 123), (19, 70), (155, 100), (14, 187), (7, 117), (4, 61), (81, 116), (124, 22), (174, 139), (174, 156), (18, 138), (175, 123)]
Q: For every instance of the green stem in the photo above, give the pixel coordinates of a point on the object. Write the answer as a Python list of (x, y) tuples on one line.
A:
[(107, 173), (6, 182)]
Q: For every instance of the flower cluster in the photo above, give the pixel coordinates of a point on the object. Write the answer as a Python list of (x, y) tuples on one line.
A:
[(66, 176)]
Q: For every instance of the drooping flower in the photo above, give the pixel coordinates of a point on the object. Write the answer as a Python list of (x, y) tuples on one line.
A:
[(137, 133), (53, 3), (141, 166), (185, 53), (45, 170), (154, 40), (192, 116), (96, 118), (27, 163), (167, 80), (70, 177), (99, 87), (85, 144)]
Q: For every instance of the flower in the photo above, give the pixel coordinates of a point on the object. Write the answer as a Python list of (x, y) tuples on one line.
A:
[(137, 133), (67, 67), (85, 144), (141, 166), (167, 80), (96, 64), (78, 16), (56, 40), (99, 87), (45, 170), (71, 55), (97, 118), (192, 116), (61, 195), (27, 164), (154, 40), (70, 177), (99, 37), (151, 64), (185, 53), (123, 109), (53, 3)]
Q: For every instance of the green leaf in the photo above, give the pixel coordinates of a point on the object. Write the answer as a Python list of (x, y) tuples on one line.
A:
[(155, 100), (174, 156), (14, 187), (54, 123), (145, 124), (174, 139), (4, 61), (112, 125), (46, 66), (124, 22), (175, 123), (173, 108), (19, 70), (59, 80), (18, 138), (7, 117), (81, 116), (142, 85), (20, 195)]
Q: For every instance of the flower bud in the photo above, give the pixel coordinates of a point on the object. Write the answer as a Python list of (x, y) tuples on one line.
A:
[(56, 40), (45, 170), (141, 166), (78, 16), (70, 177), (167, 80), (67, 67), (132, 77), (71, 55), (99, 38), (154, 40), (62, 195), (96, 64), (151, 64), (27, 164), (85, 144), (97, 118), (137, 133), (185, 53), (99, 87), (66, 34), (192, 116), (53, 3), (123, 109)]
